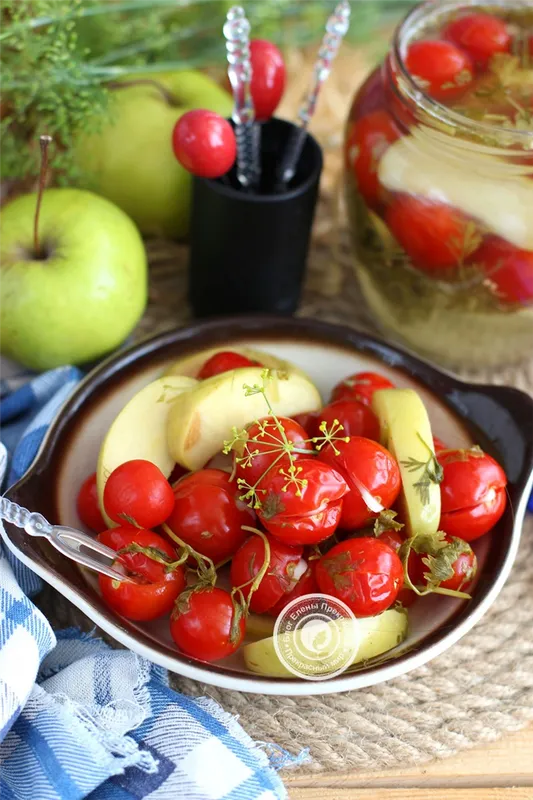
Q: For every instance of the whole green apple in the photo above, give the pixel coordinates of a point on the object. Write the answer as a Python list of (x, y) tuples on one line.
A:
[(87, 290), (131, 162)]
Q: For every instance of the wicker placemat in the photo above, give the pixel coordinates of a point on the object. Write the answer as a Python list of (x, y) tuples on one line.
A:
[(475, 692)]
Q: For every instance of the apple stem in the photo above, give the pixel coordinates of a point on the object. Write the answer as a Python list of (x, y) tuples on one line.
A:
[(44, 142), (166, 93)]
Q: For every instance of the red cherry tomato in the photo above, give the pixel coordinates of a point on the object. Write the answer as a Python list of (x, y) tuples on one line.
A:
[(305, 508), (463, 569), (365, 465), (509, 269), (155, 589), (203, 629), (366, 142), (442, 69), (307, 420), (262, 448), (431, 233), (268, 77), (364, 573), (473, 493), (356, 418), (137, 492), (204, 143), (361, 387), (394, 539), (208, 515), (277, 581), (87, 505), (224, 362), (480, 35), (306, 585)]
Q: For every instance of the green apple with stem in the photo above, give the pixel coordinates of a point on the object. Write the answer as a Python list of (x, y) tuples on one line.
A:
[(130, 160), (73, 276)]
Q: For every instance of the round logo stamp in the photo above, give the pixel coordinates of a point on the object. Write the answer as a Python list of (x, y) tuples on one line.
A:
[(316, 637)]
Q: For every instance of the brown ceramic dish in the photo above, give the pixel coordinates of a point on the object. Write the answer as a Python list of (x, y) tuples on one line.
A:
[(500, 419)]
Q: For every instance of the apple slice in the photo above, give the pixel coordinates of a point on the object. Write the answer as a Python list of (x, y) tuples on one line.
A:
[(140, 430), (201, 420), (406, 433), (376, 635), (190, 365)]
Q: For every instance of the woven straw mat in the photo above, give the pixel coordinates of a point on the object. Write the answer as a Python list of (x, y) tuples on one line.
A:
[(478, 690)]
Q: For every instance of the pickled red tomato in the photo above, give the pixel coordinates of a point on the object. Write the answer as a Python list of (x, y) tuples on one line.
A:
[(442, 69), (480, 35), (433, 235), (509, 269), (356, 418), (365, 145)]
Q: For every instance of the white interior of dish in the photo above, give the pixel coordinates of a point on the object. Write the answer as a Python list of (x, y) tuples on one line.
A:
[(326, 366)]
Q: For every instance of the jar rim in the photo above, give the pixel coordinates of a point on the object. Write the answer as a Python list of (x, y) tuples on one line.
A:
[(418, 17)]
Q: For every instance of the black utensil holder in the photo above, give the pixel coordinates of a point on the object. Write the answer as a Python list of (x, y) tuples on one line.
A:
[(249, 248)]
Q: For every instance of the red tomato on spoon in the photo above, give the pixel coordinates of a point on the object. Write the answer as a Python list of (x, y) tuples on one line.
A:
[(154, 589), (268, 78), (204, 143)]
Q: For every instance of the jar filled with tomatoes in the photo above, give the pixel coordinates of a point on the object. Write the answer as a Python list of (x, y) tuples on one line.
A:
[(439, 183)]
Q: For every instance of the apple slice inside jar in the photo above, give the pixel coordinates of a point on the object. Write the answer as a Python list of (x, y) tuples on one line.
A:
[(477, 184)]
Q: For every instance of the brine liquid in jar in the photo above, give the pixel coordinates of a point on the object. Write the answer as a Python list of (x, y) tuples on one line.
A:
[(439, 183)]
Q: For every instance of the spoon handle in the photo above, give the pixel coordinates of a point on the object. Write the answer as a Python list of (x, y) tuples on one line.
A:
[(336, 28), (237, 35)]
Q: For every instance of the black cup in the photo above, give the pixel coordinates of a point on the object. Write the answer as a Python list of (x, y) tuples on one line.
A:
[(249, 249)]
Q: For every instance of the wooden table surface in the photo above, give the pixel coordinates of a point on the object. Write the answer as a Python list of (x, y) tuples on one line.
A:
[(502, 770)]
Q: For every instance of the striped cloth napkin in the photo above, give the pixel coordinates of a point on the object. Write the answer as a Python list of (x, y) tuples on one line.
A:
[(79, 719)]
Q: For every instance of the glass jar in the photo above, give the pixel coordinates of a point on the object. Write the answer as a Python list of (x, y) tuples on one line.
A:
[(439, 183)]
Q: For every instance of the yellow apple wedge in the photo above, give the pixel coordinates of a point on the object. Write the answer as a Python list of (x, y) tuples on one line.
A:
[(200, 421), (140, 430), (376, 635), (406, 432), (190, 365)]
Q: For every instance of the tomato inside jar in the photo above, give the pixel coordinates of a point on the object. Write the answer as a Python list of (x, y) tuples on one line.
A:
[(439, 183)]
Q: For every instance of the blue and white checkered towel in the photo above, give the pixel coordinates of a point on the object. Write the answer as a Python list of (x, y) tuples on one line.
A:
[(78, 718)]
